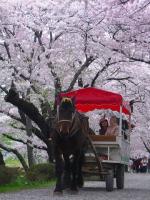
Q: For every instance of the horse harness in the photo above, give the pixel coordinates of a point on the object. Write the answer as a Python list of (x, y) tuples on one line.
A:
[(58, 121)]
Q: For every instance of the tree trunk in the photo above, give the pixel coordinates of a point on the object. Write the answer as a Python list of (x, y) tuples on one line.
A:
[(1, 159), (32, 112), (30, 154), (29, 109), (21, 159)]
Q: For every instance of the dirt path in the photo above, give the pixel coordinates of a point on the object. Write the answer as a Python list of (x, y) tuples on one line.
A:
[(137, 187)]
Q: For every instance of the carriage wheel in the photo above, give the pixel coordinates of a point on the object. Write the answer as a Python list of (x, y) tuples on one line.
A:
[(110, 181), (120, 176)]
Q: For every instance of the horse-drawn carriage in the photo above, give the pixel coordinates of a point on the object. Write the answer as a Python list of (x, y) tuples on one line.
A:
[(114, 154), (112, 151)]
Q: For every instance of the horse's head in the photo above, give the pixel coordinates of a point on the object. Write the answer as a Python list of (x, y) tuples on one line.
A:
[(65, 115)]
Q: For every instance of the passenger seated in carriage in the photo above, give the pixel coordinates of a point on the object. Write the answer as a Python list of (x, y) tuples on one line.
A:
[(103, 123), (113, 128)]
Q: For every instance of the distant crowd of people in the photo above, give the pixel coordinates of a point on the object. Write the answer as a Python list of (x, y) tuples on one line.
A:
[(139, 165)]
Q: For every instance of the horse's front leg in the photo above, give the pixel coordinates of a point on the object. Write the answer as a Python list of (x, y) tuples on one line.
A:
[(59, 166), (80, 181), (75, 171), (67, 172)]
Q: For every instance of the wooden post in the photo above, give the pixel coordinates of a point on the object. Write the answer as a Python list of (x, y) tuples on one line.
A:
[(120, 121)]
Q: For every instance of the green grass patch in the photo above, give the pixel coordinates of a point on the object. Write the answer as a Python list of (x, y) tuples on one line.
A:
[(22, 183), (12, 162)]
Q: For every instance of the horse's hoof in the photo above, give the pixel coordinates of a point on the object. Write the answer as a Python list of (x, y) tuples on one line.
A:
[(74, 192), (66, 187), (57, 193), (80, 184)]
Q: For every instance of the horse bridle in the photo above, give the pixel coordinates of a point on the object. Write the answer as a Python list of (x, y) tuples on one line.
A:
[(65, 120)]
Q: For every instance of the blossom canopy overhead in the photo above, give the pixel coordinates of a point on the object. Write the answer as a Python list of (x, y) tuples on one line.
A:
[(88, 99)]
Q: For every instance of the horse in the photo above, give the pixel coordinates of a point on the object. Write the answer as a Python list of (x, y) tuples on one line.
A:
[(69, 144)]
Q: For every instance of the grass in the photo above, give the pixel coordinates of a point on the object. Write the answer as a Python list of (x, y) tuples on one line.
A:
[(22, 183), (12, 162)]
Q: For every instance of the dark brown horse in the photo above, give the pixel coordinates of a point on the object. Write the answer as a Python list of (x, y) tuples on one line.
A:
[(70, 140)]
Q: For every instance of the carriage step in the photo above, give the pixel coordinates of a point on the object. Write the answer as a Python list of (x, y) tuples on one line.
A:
[(92, 159), (87, 172), (92, 165)]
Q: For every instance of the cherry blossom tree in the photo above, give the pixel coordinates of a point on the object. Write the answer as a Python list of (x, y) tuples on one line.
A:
[(51, 46)]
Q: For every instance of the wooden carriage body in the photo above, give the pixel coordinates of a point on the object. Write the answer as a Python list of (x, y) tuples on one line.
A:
[(113, 151)]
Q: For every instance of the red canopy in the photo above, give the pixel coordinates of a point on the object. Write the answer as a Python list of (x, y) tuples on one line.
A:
[(88, 99)]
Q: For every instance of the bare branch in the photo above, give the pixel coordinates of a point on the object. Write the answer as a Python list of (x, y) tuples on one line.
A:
[(4, 89), (141, 8), (2, 58), (21, 75), (58, 36), (8, 32), (146, 147), (25, 78), (19, 46), (35, 130), (19, 156), (99, 72), (38, 35), (131, 57), (7, 50), (27, 142), (77, 74), (124, 1), (10, 115), (50, 38), (119, 79), (57, 82)]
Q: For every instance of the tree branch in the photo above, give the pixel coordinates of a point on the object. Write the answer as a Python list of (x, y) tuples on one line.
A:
[(38, 35), (146, 147), (29, 109), (119, 79), (19, 156), (7, 50), (23, 142), (11, 115), (4, 89), (124, 1), (86, 64), (99, 72), (131, 57), (57, 82), (2, 58), (35, 130)]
